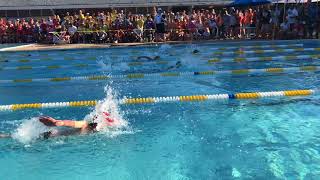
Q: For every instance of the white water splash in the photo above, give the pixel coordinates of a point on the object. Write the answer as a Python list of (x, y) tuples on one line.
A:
[(189, 61), (104, 62), (106, 65), (103, 66), (164, 48), (111, 105), (192, 47), (29, 131)]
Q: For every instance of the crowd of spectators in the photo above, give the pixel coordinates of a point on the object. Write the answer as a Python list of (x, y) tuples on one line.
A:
[(265, 22)]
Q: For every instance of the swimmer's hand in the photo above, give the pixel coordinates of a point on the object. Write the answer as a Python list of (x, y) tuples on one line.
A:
[(48, 121)]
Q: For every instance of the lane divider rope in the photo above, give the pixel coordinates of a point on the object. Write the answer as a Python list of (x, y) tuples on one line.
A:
[(170, 74), (215, 53), (269, 58), (157, 100), (258, 47), (25, 60), (236, 59), (265, 51), (162, 62), (214, 48), (46, 67)]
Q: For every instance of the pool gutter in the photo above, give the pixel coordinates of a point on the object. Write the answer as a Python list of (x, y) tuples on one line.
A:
[(48, 47)]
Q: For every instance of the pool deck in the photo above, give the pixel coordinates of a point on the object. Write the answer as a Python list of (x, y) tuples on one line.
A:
[(45, 47)]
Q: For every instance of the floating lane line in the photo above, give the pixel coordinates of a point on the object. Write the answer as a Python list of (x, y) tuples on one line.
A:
[(157, 100), (77, 66), (162, 62), (170, 74), (269, 58), (265, 51), (70, 58), (211, 61), (236, 59), (25, 60), (46, 67), (257, 47)]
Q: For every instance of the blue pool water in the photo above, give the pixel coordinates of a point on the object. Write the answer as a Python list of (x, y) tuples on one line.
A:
[(251, 139)]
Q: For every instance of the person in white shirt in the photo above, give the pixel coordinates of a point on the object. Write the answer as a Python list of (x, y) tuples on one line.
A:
[(284, 30), (292, 15), (72, 29), (160, 20)]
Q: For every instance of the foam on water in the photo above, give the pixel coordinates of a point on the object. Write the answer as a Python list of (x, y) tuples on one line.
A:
[(104, 63), (188, 60), (111, 105), (164, 48), (29, 131)]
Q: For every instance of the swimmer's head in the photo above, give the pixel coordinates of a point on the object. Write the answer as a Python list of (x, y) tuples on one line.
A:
[(107, 121), (92, 126)]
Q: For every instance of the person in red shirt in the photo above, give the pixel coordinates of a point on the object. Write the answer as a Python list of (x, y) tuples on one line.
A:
[(248, 15), (241, 23)]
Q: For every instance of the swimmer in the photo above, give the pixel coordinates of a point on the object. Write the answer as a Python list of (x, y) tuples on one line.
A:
[(77, 127), (176, 66), (195, 51), (4, 136), (148, 58)]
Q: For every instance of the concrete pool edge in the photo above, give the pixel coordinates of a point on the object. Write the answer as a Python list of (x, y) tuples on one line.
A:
[(48, 47)]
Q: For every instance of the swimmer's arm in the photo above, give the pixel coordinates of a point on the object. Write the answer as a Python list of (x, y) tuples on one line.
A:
[(49, 121), (5, 136), (71, 123)]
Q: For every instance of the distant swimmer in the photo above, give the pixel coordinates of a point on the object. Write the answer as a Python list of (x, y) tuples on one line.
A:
[(176, 66), (148, 58), (196, 51), (77, 127), (4, 136)]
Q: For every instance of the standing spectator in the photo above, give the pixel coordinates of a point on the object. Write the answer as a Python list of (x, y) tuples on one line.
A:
[(265, 23), (226, 24), (220, 23), (241, 24), (212, 26), (233, 23), (72, 29), (311, 17), (139, 27), (275, 19), (284, 28), (160, 20), (292, 16), (248, 17), (149, 28)]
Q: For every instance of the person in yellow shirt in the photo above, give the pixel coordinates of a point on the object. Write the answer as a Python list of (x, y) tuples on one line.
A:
[(114, 15), (140, 22), (139, 27), (81, 15)]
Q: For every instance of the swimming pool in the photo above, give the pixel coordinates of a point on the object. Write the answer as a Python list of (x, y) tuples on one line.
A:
[(273, 138)]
